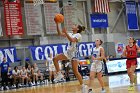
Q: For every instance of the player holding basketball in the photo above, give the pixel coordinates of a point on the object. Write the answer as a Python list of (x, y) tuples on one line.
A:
[(71, 53), (130, 52), (97, 66)]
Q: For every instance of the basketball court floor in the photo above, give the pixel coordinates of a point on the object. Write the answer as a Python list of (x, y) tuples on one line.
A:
[(114, 84)]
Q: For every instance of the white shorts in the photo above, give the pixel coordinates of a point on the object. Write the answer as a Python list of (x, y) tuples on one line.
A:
[(52, 69), (71, 54), (97, 66)]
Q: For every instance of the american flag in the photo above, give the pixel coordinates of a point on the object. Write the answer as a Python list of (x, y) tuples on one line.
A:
[(101, 6)]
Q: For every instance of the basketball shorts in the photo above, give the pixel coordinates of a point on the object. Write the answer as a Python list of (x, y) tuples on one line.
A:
[(97, 66), (71, 54), (132, 62)]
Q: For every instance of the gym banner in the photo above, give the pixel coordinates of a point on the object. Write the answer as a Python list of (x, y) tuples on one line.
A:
[(99, 20), (50, 10), (42, 52), (13, 17), (119, 47), (119, 65), (131, 14), (33, 19), (9, 53)]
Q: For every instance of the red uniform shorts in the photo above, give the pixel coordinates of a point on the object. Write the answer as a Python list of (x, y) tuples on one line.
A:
[(131, 62)]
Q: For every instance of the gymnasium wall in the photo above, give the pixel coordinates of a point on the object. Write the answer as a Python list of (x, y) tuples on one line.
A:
[(119, 34)]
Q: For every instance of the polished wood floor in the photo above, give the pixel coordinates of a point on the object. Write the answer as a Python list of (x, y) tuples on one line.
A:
[(114, 84)]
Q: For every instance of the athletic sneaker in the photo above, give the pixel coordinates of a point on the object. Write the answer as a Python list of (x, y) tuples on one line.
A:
[(131, 88), (59, 78), (103, 91), (50, 82), (13, 86), (2, 88), (7, 87), (90, 91), (84, 88)]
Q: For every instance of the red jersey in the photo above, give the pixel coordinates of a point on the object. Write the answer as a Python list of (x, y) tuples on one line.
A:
[(131, 51)]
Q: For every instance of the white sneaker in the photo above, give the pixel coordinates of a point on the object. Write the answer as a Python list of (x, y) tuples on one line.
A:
[(2, 88), (38, 83), (50, 82), (58, 78), (33, 83), (7, 87), (13, 86), (103, 91), (42, 82), (84, 88)]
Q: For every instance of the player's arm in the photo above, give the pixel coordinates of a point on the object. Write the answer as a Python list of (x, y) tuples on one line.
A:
[(102, 55), (58, 29), (68, 36)]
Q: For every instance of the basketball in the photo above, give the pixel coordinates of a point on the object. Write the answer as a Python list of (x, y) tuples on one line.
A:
[(59, 18)]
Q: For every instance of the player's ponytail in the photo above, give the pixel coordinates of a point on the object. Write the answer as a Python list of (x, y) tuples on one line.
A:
[(80, 28)]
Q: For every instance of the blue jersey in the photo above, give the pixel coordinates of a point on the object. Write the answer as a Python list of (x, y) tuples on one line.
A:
[(4, 67)]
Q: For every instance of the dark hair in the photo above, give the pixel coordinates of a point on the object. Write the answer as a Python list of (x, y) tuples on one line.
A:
[(15, 67), (101, 42), (134, 40), (81, 28)]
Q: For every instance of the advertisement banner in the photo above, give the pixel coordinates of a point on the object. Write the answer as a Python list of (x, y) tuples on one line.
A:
[(13, 17), (42, 52), (131, 14), (33, 19), (119, 47), (119, 65), (50, 10), (9, 53), (99, 20)]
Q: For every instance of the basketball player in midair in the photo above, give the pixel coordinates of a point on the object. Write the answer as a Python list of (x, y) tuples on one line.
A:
[(71, 53)]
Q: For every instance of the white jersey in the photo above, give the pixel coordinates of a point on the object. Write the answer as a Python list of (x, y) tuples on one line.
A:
[(96, 52), (50, 61), (97, 66), (72, 46), (16, 72), (23, 72)]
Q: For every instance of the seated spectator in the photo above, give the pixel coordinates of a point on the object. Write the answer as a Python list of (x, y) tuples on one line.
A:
[(23, 73), (40, 76), (36, 72), (30, 75), (16, 76), (33, 74)]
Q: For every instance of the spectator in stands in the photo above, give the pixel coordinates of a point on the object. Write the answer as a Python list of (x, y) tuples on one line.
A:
[(30, 75), (24, 76), (52, 70), (40, 76), (4, 73), (16, 76), (35, 72)]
